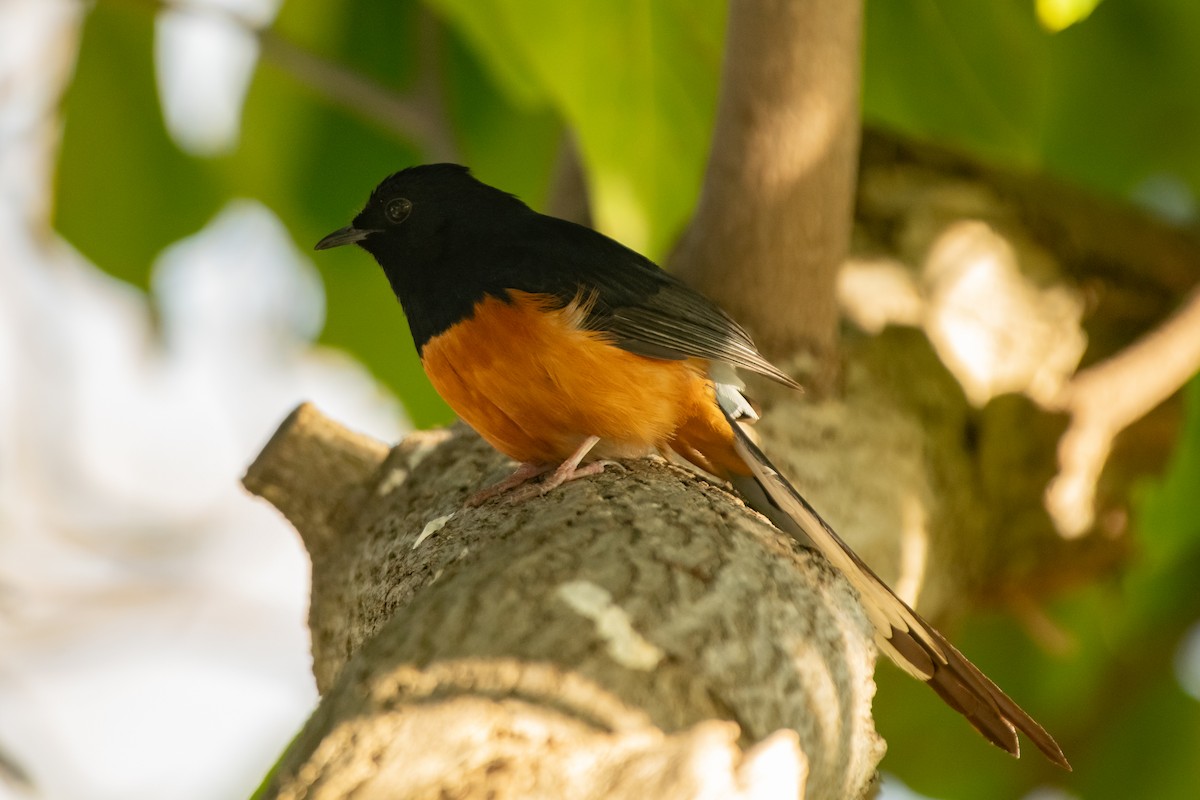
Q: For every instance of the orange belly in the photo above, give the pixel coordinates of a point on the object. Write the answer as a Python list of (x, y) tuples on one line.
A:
[(534, 385)]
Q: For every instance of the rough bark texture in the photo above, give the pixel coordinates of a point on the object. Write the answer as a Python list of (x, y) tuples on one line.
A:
[(637, 629)]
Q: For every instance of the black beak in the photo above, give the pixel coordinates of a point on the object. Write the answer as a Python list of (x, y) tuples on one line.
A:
[(346, 235)]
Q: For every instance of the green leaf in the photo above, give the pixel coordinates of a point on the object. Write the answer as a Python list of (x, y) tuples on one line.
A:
[(124, 191), (971, 74), (1058, 15), (635, 81), (315, 165), (1125, 95), (505, 143), (1108, 103)]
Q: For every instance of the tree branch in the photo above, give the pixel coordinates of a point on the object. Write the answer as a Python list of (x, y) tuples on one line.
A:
[(774, 218), (639, 623), (1105, 399), (418, 116), (1018, 279)]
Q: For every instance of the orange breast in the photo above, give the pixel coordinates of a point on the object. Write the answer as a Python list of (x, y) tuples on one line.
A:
[(535, 386)]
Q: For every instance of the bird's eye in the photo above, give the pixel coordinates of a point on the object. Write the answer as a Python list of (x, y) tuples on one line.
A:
[(397, 210)]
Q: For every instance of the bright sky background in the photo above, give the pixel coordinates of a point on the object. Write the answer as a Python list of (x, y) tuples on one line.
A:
[(152, 630)]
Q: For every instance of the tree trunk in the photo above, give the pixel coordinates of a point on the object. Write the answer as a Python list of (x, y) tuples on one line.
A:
[(772, 227)]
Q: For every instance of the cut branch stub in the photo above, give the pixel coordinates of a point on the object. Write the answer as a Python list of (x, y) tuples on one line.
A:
[(622, 622), (310, 464)]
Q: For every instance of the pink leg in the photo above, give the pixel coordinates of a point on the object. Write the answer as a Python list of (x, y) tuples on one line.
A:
[(569, 470), (523, 474)]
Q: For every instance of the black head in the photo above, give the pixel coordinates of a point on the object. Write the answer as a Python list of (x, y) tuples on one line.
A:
[(419, 204), (431, 228)]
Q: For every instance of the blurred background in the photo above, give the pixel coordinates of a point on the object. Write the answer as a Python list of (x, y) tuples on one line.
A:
[(165, 168)]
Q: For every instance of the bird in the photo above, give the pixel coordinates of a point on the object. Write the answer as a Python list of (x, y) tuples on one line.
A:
[(566, 350)]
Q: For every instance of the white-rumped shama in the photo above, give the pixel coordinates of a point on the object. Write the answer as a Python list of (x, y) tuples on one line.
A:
[(562, 348)]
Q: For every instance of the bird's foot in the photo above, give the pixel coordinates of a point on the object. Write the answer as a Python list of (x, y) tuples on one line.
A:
[(522, 475), (565, 473), (519, 489)]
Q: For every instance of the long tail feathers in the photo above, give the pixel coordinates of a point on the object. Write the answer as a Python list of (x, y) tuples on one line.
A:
[(912, 643)]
